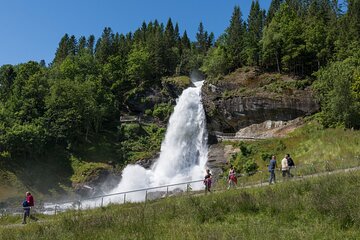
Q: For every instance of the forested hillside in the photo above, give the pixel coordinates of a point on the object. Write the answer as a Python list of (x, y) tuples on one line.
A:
[(66, 113)]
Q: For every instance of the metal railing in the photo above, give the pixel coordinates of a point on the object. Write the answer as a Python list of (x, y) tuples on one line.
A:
[(79, 203), (300, 172)]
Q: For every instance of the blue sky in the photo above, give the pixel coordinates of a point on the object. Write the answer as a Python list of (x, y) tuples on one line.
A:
[(31, 29)]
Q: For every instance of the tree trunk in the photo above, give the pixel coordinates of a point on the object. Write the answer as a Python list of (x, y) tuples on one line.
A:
[(277, 62)]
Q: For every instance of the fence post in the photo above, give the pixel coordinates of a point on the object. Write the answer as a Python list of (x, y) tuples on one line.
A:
[(124, 197), (55, 209), (167, 191), (102, 201), (146, 195)]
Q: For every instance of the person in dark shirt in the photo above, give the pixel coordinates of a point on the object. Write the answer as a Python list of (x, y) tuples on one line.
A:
[(291, 164), (207, 181), (272, 167)]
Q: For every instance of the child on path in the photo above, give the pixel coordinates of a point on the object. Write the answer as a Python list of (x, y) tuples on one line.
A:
[(232, 180)]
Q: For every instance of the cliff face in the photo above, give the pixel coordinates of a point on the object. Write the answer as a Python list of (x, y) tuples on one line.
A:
[(246, 98)]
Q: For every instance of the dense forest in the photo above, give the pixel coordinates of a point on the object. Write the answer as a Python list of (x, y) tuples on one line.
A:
[(91, 82)]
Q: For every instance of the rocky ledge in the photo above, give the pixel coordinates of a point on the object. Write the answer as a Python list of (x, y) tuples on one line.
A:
[(245, 98)]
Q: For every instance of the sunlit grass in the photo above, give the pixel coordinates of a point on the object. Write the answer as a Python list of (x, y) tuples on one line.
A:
[(319, 208), (313, 149)]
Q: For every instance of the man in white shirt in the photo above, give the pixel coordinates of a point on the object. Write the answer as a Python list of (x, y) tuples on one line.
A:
[(285, 167)]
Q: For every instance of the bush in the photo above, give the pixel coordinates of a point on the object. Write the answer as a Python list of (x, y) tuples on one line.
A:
[(162, 111), (250, 167)]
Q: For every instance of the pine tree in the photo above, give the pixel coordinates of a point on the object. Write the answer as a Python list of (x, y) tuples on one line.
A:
[(353, 19), (72, 46), (274, 7), (7, 77), (90, 44), (254, 33), (185, 41), (235, 42), (82, 44), (63, 50), (210, 41), (177, 33), (104, 46), (170, 34), (201, 39)]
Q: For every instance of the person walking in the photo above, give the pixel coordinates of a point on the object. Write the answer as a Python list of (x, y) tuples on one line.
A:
[(284, 167), (232, 180), (27, 205), (291, 164), (272, 167), (207, 181)]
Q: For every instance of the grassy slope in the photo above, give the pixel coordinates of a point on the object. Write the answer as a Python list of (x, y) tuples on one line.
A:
[(313, 149), (318, 208), (53, 173)]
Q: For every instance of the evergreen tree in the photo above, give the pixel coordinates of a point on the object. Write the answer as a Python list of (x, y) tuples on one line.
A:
[(254, 34), (7, 77), (185, 41), (72, 46), (63, 50), (235, 41), (274, 7), (210, 41), (90, 44), (177, 34), (82, 44), (353, 19), (170, 38), (201, 39), (104, 46)]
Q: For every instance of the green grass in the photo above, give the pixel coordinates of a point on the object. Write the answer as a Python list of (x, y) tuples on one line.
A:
[(180, 81), (313, 149), (319, 208)]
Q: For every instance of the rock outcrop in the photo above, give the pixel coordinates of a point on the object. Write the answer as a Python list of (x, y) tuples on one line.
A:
[(246, 98)]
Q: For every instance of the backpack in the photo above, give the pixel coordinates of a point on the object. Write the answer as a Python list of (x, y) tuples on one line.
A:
[(25, 203), (290, 162)]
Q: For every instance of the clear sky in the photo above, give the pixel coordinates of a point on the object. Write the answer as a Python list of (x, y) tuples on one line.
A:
[(32, 29)]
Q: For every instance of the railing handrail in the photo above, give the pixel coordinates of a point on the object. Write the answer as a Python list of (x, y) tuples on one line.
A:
[(131, 191)]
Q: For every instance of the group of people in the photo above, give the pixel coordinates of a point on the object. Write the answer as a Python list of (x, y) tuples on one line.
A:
[(287, 163), (231, 180)]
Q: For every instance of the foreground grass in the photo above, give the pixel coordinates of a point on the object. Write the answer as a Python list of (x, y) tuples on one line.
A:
[(319, 208)]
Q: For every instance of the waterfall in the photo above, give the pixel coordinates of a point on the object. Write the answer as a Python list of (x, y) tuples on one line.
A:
[(183, 154)]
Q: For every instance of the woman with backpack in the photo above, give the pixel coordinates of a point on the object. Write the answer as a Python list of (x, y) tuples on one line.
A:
[(27, 204)]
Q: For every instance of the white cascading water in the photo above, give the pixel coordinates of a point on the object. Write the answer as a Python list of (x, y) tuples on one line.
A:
[(183, 153), (182, 158)]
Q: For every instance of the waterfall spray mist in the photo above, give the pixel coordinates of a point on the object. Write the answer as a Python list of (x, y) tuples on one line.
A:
[(183, 153)]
